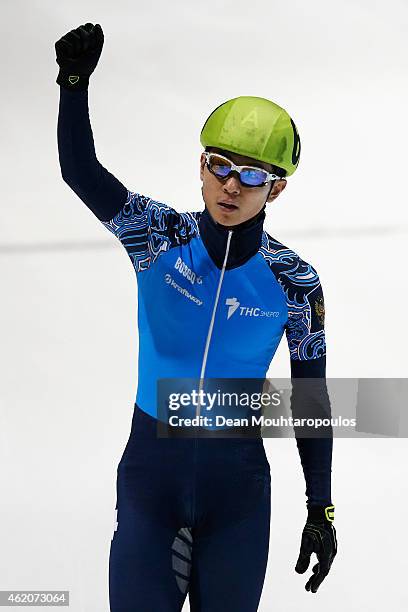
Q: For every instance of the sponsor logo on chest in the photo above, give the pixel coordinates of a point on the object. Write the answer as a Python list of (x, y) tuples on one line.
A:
[(234, 306), (185, 271)]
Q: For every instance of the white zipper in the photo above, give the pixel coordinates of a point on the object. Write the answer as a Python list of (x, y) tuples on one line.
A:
[(211, 327)]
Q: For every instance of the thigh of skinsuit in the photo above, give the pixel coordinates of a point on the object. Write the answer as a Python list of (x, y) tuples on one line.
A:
[(190, 518)]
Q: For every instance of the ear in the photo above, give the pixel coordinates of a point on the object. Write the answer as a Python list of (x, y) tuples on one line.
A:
[(278, 187)]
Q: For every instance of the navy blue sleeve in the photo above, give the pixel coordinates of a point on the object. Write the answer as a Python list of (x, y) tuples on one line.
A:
[(104, 194), (312, 399)]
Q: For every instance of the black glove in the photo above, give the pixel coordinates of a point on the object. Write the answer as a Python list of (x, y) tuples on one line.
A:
[(78, 53), (319, 536)]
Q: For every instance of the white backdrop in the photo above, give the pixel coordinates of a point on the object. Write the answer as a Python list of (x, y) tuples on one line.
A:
[(68, 303)]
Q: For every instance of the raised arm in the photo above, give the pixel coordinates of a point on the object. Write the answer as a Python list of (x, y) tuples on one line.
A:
[(78, 53)]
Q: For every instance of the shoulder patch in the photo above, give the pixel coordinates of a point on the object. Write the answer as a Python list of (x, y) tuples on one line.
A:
[(319, 309)]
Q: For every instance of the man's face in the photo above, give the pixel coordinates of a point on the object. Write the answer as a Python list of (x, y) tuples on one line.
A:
[(248, 201)]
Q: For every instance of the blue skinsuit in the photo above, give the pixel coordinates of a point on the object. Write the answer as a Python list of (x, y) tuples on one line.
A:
[(193, 514)]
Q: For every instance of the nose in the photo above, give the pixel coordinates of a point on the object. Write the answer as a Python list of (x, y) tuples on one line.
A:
[(232, 184)]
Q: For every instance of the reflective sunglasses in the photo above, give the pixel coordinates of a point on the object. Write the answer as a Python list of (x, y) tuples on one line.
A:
[(249, 176)]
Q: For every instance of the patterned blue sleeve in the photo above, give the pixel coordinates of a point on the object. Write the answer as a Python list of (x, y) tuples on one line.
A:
[(148, 228), (303, 293), (305, 325)]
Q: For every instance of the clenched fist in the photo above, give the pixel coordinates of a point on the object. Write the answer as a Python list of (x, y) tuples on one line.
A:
[(78, 53)]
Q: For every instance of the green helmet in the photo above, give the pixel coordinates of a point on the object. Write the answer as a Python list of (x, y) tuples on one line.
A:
[(254, 127)]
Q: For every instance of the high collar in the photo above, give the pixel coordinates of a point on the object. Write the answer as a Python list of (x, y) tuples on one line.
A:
[(245, 240)]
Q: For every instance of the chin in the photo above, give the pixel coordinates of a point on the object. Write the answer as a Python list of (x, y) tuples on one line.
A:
[(225, 218), (228, 220)]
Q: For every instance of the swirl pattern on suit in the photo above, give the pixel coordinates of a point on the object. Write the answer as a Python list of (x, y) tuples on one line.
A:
[(301, 286), (147, 228)]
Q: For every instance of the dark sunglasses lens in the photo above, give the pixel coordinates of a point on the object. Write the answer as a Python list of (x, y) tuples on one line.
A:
[(218, 166), (253, 177)]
